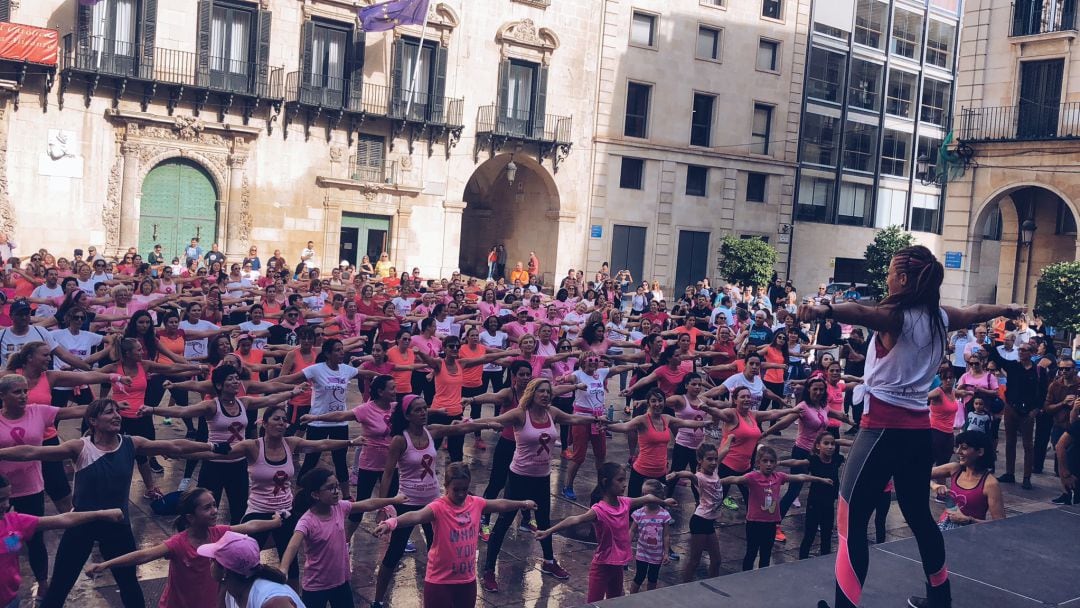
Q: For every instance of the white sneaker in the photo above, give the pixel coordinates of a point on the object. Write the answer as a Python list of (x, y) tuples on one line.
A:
[(558, 443), (185, 483)]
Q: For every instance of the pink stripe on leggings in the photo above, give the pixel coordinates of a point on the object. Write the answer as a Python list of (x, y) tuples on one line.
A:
[(845, 574), (939, 578)]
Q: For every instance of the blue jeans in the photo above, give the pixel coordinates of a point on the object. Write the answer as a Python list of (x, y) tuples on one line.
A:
[(491, 271)]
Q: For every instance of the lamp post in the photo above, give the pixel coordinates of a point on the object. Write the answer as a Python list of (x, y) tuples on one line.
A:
[(1027, 239), (922, 170)]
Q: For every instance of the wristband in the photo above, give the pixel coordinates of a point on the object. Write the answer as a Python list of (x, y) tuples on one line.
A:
[(389, 511), (114, 378), (391, 523)]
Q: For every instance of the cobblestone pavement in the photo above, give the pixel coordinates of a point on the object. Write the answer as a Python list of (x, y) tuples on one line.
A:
[(520, 580)]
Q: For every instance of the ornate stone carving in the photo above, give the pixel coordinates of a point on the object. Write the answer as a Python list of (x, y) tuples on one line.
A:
[(220, 161), (525, 33), (405, 162), (337, 153), (110, 212), (245, 211), (237, 161), (185, 128), (189, 127), (7, 213)]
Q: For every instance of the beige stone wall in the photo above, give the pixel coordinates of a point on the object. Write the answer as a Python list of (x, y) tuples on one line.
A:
[(817, 246)]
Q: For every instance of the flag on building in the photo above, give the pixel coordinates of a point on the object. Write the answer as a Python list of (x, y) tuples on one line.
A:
[(388, 15), (88, 2), (949, 165)]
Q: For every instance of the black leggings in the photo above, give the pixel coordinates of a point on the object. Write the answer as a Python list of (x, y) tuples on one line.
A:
[(645, 569), (520, 487), (566, 406), (143, 427), (819, 516), (942, 445), (366, 482), (493, 380), (500, 468), (54, 476), (34, 504), (281, 535), (682, 457), (881, 515), (878, 454), (114, 540), (423, 387), (723, 470), (232, 477), (637, 480), (81, 396), (400, 536), (318, 433), (155, 392), (794, 487), (455, 444), (337, 597), (760, 536), (201, 434), (476, 409)]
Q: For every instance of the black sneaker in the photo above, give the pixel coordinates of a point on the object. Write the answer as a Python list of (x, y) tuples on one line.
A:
[(918, 602), (1007, 478), (155, 466), (1026, 484), (1064, 499), (822, 604)]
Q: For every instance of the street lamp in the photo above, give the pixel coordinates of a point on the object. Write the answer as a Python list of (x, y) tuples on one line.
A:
[(1027, 232), (922, 169)]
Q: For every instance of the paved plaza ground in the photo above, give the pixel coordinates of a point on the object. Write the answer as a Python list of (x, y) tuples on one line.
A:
[(520, 580)]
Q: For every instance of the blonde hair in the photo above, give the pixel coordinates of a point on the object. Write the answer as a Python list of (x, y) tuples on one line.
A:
[(530, 391)]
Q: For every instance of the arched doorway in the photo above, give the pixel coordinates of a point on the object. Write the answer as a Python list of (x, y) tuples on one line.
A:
[(520, 214), (179, 201), (1019, 258)]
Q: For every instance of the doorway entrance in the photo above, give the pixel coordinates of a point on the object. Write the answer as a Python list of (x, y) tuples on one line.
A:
[(179, 202), (363, 235), (628, 251), (693, 259)]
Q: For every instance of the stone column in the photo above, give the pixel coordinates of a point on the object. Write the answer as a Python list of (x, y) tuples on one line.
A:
[(451, 249), (129, 195), (399, 244), (235, 244)]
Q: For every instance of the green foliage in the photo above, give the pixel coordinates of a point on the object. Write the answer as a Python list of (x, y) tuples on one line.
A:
[(1058, 296), (880, 251), (746, 261)]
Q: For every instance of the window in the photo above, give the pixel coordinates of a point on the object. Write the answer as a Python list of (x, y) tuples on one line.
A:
[(328, 59), (925, 209), (890, 208), (853, 204), (870, 18), (701, 120), (709, 43), (895, 151), (755, 187), (637, 109), (370, 163), (230, 42), (829, 30), (864, 90), (825, 75), (759, 134), (935, 101), (1066, 221), (860, 146), (522, 98), (771, 8), (768, 55), (697, 180), (643, 29), (900, 95), (815, 199), (930, 148), (110, 29), (631, 173), (939, 44), (820, 138), (906, 34), (5, 10), (992, 226)]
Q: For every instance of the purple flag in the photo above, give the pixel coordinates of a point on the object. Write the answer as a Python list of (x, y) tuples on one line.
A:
[(388, 15), (88, 2)]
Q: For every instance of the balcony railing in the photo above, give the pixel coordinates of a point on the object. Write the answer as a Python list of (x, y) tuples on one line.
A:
[(1026, 122), (380, 174), (515, 124), (331, 93), (1032, 17), (106, 57)]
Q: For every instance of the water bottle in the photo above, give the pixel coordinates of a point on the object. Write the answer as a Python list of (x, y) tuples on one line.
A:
[(611, 413)]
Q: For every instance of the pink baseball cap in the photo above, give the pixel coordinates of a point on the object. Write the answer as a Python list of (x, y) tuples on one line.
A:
[(234, 551)]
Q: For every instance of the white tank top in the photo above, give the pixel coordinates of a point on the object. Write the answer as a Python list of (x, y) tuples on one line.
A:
[(902, 377)]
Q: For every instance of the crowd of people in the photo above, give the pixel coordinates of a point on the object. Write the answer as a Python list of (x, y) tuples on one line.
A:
[(703, 383)]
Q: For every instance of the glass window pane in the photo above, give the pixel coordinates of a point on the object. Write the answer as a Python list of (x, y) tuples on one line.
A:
[(939, 43), (900, 100), (864, 90), (895, 151), (701, 120), (708, 43), (641, 29), (935, 101), (860, 146), (820, 137), (825, 75), (766, 57), (906, 33), (759, 136), (637, 109), (815, 199), (890, 208), (870, 16)]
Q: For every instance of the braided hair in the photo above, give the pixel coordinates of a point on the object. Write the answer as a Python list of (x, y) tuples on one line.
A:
[(923, 291)]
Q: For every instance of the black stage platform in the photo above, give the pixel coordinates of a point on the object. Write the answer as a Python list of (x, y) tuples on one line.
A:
[(1023, 561)]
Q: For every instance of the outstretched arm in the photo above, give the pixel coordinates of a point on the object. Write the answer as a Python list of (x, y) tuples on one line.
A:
[(135, 558), (569, 522)]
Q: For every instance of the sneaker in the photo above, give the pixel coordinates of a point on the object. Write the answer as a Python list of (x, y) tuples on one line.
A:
[(410, 547), (671, 555), (797, 503), (185, 483), (731, 503), (820, 604), (167, 421), (155, 466), (568, 493), (485, 532), (566, 454), (152, 494), (554, 569), (528, 525), (1026, 484), (918, 602), (1007, 478), (780, 536), (489, 583), (1064, 499), (382, 605), (479, 444), (558, 443)]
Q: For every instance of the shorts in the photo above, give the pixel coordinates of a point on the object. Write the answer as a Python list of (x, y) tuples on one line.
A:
[(700, 525), (582, 437)]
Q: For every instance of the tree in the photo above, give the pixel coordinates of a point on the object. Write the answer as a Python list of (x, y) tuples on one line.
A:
[(746, 261), (1058, 296), (880, 251)]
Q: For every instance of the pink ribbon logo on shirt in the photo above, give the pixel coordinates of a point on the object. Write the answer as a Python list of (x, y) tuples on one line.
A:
[(18, 435), (425, 464), (386, 420), (280, 479), (544, 440), (236, 432)]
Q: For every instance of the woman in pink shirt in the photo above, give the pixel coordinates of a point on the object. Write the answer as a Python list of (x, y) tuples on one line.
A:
[(423, 380), (943, 407), (610, 516), (450, 576)]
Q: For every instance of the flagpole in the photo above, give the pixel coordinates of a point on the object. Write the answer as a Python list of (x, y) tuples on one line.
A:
[(416, 67)]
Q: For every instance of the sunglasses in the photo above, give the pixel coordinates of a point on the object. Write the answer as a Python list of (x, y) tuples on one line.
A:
[(452, 346)]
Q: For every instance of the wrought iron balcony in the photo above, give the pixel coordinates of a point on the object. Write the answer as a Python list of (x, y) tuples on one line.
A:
[(1026, 122), (1032, 17), (181, 71), (495, 126)]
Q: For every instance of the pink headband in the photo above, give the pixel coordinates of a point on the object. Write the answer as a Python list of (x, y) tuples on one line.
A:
[(406, 401)]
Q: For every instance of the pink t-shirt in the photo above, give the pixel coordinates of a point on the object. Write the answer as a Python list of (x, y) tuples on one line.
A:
[(710, 494), (812, 420), (25, 477), (764, 503), (189, 584), (612, 533), (650, 537), (326, 555), (834, 396), (430, 346), (375, 428), (15, 530), (452, 557)]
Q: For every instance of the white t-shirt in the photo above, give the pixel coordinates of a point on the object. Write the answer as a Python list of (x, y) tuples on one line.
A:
[(80, 345), (496, 342), (590, 402), (260, 341), (52, 293), (262, 591), (235, 288), (87, 286), (196, 348), (11, 343), (329, 388), (403, 305), (578, 320), (447, 327), (757, 388)]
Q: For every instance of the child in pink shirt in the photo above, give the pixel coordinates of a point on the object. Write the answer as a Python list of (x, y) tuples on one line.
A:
[(763, 505), (610, 516), (322, 532), (450, 578), (652, 525)]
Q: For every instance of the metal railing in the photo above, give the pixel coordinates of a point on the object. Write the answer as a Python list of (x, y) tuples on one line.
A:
[(104, 56), (1025, 122), (523, 125), (1032, 17), (379, 100), (385, 173)]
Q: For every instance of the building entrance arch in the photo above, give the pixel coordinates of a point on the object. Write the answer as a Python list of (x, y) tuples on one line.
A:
[(178, 203)]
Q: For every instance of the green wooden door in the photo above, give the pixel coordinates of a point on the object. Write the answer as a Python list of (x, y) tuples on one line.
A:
[(179, 202), (372, 238)]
